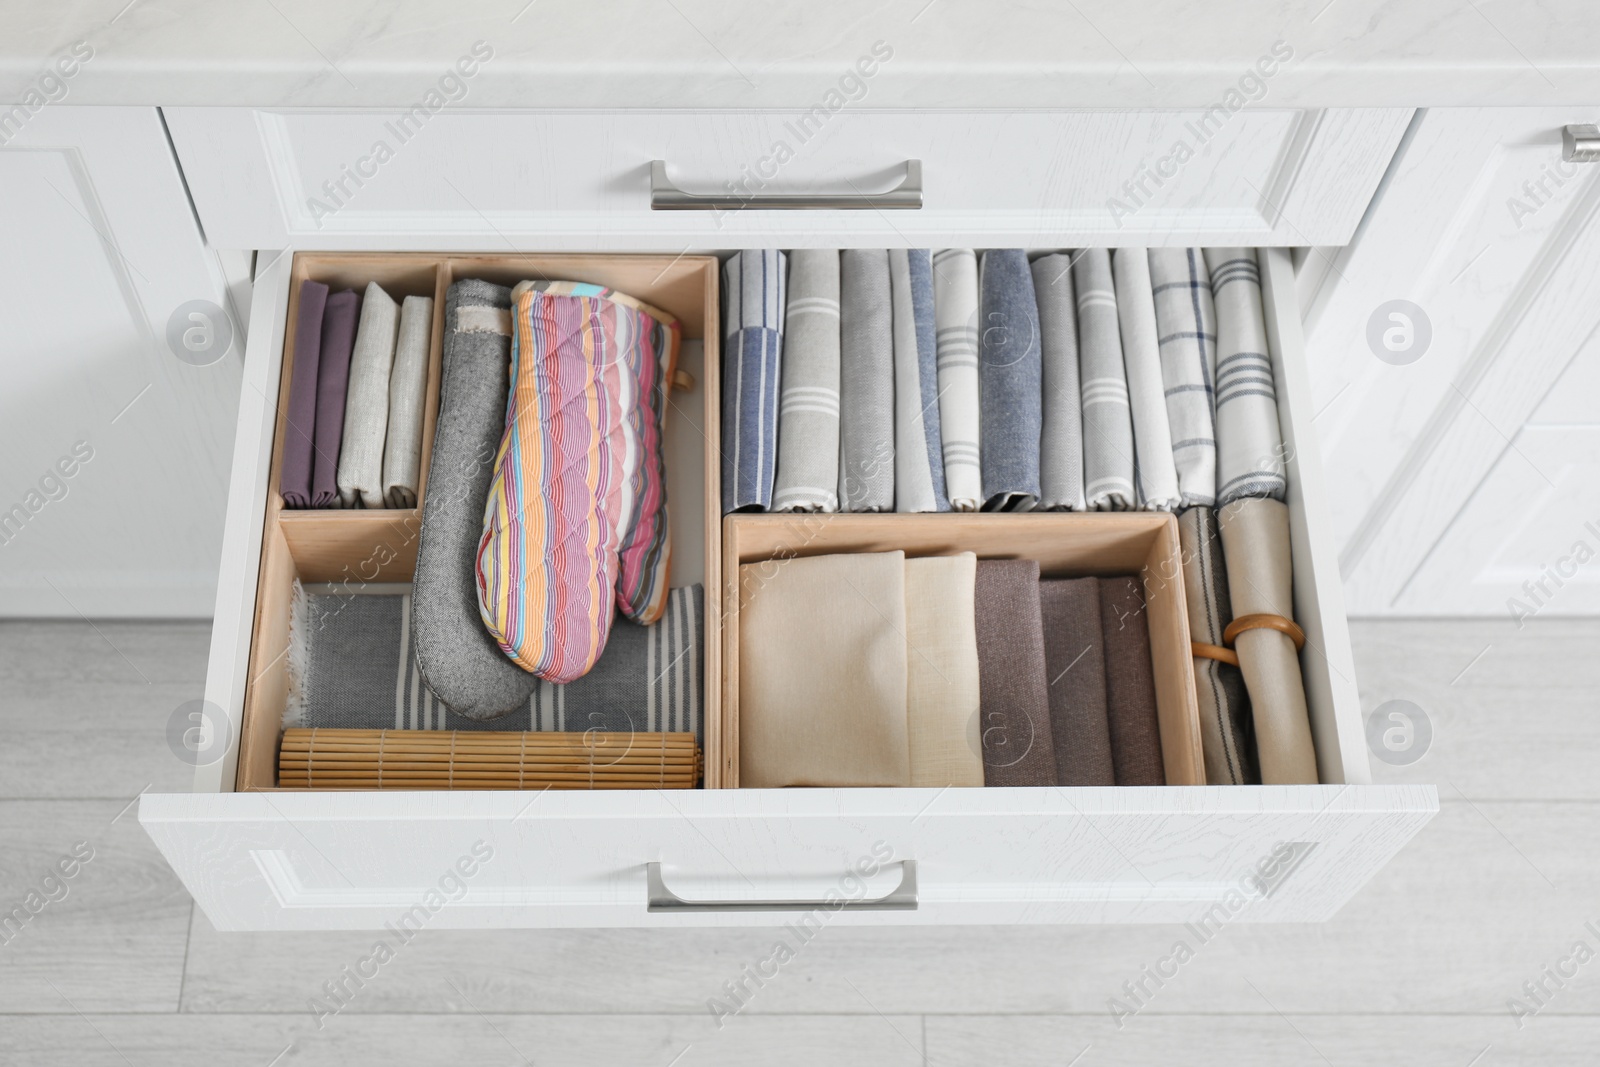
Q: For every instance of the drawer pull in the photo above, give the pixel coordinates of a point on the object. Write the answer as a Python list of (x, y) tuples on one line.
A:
[(1580, 144), (666, 196), (902, 898)]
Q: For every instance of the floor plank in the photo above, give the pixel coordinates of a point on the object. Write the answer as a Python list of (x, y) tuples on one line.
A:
[(109, 938), (87, 705), (490, 1039)]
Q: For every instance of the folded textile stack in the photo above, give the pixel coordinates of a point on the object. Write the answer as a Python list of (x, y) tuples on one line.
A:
[(872, 669), (353, 425)]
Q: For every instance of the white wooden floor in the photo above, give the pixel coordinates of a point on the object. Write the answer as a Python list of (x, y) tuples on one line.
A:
[(1418, 969)]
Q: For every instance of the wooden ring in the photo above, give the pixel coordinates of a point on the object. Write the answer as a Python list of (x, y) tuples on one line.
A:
[(1201, 650), (682, 379), (1265, 622)]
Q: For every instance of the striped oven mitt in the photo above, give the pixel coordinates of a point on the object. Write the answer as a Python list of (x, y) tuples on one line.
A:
[(576, 524)]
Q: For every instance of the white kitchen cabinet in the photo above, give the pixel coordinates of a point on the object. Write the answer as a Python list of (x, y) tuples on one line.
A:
[(276, 859), (1461, 470), (99, 251)]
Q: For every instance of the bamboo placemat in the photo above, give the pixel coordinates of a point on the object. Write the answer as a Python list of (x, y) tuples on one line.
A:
[(322, 758)]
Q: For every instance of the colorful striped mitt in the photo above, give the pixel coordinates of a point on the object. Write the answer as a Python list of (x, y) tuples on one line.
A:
[(575, 526)]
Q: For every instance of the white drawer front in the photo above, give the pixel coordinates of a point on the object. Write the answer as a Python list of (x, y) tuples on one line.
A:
[(284, 860), (345, 179)]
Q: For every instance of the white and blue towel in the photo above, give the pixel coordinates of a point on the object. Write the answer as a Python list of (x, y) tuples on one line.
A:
[(1187, 324), (955, 310), (918, 462), (1249, 440), (753, 283), (1107, 423)]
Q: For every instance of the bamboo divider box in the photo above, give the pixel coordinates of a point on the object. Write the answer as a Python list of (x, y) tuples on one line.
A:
[(358, 547), (1066, 546)]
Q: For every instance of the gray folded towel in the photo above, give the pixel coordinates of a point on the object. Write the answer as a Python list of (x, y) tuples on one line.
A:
[(1187, 324), (808, 412), (1061, 437), (918, 464), (1154, 471), (866, 381), (353, 667), (955, 311), (366, 405), (408, 392), (459, 660), (1009, 374), (1107, 423), (1249, 441)]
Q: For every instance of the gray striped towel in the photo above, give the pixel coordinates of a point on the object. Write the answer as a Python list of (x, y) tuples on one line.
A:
[(1061, 437), (352, 663), (1009, 382), (1249, 442), (808, 413), (918, 465), (1154, 470), (752, 351), (1188, 327), (1107, 422), (866, 381), (955, 310)]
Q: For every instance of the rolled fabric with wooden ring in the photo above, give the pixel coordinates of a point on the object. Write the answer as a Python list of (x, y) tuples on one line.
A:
[(1207, 651)]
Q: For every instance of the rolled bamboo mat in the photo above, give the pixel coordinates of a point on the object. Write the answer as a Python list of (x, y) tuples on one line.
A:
[(480, 759)]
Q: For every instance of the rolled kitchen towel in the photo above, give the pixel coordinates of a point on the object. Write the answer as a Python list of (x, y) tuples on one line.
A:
[(1249, 441), (942, 692), (1155, 472), (1013, 690), (918, 464), (333, 381), (1130, 684), (866, 381), (822, 672), (408, 392), (955, 312), (1009, 382), (807, 476), (1107, 424), (1061, 437), (299, 420), (1075, 666), (1227, 736), (1255, 542), (752, 356), (1187, 324), (353, 666), (366, 405), (457, 658)]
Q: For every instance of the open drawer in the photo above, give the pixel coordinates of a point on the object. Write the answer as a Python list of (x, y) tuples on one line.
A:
[(256, 857)]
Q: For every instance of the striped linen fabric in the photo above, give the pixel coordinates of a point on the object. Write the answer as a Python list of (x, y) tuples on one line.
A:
[(918, 464), (1061, 433), (955, 311), (866, 381), (575, 525), (353, 666), (807, 476), (1154, 471), (1187, 324), (1107, 422), (1249, 440), (753, 292)]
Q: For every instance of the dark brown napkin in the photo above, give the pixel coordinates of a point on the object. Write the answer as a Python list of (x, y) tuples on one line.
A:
[(1075, 669), (1014, 706), (294, 475), (1130, 684)]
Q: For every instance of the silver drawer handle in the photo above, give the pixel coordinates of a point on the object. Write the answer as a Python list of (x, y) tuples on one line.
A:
[(1580, 144), (665, 196), (902, 898)]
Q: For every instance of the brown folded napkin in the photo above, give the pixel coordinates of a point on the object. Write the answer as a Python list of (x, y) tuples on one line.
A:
[(942, 691), (1255, 540), (1130, 683), (822, 672), (1017, 748), (1227, 735), (1075, 667)]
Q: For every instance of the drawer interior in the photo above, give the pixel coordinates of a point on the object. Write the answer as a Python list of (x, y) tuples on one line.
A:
[(380, 546)]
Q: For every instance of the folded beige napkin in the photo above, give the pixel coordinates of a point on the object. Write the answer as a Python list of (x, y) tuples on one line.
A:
[(942, 672)]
